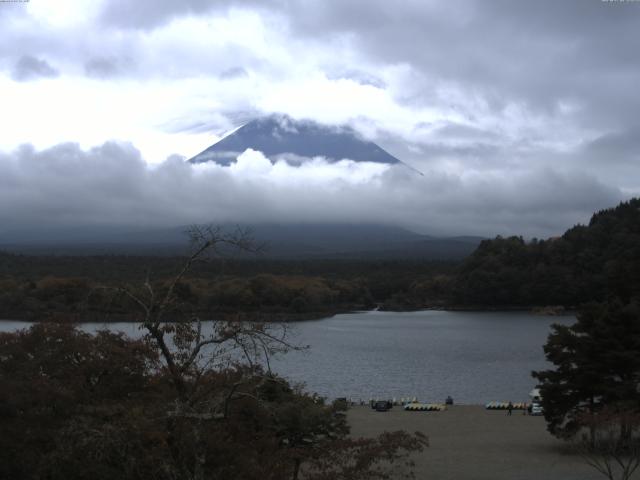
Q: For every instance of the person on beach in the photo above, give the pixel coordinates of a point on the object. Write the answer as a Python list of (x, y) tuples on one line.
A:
[(509, 408)]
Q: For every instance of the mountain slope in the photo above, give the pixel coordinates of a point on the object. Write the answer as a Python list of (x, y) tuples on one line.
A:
[(320, 240), (278, 136)]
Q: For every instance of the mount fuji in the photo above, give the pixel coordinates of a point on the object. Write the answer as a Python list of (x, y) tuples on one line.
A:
[(279, 137)]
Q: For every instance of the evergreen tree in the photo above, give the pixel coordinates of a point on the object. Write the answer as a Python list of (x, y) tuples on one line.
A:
[(591, 262), (597, 365)]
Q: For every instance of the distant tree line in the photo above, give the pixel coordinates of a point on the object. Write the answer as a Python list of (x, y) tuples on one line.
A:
[(74, 299), (67, 288)]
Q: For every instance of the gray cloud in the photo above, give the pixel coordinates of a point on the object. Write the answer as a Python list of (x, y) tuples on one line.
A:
[(538, 53), (616, 147), (112, 185), (149, 13), (107, 67), (30, 68), (233, 72)]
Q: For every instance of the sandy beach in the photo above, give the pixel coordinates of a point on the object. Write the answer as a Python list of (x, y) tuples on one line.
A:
[(469, 442)]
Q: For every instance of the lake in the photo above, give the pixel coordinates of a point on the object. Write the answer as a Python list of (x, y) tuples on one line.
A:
[(475, 357)]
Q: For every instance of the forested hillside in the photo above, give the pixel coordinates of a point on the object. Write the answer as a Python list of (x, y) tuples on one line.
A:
[(587, 263)]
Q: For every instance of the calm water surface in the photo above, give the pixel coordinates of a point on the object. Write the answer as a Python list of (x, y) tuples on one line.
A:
[(475, 357)]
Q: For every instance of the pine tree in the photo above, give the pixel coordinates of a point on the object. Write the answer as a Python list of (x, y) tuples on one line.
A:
[(597, 365)]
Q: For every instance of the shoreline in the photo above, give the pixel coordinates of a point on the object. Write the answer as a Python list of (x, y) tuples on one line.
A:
[(288, 317)]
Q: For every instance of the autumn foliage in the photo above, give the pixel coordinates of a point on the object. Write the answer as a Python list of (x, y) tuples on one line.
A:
[(77, 406)]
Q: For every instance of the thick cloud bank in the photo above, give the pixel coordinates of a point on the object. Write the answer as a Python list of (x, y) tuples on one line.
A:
[(112, 185)]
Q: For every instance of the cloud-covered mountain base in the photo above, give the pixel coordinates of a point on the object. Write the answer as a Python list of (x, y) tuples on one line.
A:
[(66, 187)]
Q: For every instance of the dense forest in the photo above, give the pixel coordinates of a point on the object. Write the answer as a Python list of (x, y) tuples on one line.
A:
[(588, 263)]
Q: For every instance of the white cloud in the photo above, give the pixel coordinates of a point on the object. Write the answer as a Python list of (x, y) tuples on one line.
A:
[(317, 172), (112, 185), (62, 13)]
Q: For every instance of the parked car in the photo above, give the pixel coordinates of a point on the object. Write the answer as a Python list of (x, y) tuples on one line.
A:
[(382, 406), (536, 409)]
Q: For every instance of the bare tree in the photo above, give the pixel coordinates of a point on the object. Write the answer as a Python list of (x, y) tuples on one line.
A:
[(612, 444), (191, 349)]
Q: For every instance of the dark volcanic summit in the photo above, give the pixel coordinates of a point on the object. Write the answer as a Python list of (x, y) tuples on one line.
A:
[(279, 136)]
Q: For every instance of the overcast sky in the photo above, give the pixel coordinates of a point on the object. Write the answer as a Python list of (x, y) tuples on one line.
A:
[(523, 115)]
